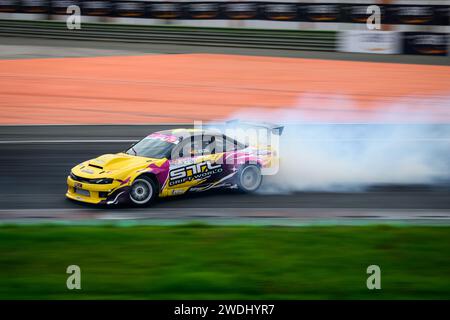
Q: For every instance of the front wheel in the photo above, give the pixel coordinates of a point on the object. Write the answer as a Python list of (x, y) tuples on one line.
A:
[(143, 191), (249, 178)]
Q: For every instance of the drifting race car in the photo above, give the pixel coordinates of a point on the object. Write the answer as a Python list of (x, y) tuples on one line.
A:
[(168, 163)]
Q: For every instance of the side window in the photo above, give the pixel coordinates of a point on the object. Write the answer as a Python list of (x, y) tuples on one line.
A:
[(211, 144), (189, 147), (232, 145), (182, 149), (205, 145), (219, 144), (196, 146)]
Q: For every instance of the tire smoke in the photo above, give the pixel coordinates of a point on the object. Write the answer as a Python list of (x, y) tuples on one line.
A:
[(398, 144)]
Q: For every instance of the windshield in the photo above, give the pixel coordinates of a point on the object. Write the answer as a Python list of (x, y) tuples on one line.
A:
[(152, 147)]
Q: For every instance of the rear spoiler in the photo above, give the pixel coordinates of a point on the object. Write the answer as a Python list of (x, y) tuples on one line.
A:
[(274, 128)]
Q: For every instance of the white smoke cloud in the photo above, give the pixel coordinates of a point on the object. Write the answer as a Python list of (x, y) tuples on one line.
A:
[(411, 149)]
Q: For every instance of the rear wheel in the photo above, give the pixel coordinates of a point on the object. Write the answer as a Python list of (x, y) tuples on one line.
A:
[(143, 191), (249, 178)]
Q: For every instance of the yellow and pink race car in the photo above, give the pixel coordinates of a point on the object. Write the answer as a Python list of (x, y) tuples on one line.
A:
[(172, 162)]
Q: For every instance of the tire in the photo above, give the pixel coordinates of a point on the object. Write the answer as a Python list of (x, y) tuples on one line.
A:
[(143, 191), (249, 178)]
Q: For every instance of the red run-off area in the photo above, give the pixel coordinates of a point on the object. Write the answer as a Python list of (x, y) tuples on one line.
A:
[(187, 87)]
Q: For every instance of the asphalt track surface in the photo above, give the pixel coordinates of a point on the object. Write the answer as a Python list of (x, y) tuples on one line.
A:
[(35, 161)]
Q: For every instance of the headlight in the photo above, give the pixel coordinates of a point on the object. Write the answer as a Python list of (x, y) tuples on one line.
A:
[(102, 181), (92, 181)]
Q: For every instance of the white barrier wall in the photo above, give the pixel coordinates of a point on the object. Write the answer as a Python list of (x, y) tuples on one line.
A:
[(379, 42)]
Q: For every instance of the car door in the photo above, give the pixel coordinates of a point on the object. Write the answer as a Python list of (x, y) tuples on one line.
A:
[(193, 165)]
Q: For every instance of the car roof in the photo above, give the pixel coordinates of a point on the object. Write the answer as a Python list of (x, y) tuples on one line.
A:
[(187, 132)]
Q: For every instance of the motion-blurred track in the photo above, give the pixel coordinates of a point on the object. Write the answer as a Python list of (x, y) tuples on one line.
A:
[(35, 160)]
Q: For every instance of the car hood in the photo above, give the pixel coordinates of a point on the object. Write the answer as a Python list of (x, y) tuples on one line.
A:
[(112, 165)]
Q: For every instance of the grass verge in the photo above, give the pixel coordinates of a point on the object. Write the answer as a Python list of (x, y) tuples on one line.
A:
[(216, 262)]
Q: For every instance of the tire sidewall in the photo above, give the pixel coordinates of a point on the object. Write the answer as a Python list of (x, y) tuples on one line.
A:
[(240, 175), (152, 184)]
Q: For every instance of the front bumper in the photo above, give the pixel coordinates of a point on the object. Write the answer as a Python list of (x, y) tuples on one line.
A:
[(98, 193)]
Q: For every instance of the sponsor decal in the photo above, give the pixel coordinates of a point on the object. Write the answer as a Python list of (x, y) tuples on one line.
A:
[(96, 8), (355, 13), (321, 12), (122, 182), (164, 137), (441, 15), (412, 14), (203, 10), (129, 9), (359, 13), (195, 171), (426, 43), (420, 14), (60, 6), (163, 10), (9, 5), (241, 10), (280, 11), (35, 6)]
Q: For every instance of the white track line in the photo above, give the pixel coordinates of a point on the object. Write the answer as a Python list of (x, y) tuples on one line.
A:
[(63, 141)]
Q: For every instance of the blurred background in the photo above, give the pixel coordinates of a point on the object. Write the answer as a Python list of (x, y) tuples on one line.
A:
[(408, 26), (365, 170)]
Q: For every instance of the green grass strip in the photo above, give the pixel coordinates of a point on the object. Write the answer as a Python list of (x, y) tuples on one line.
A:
[(197, 261)]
